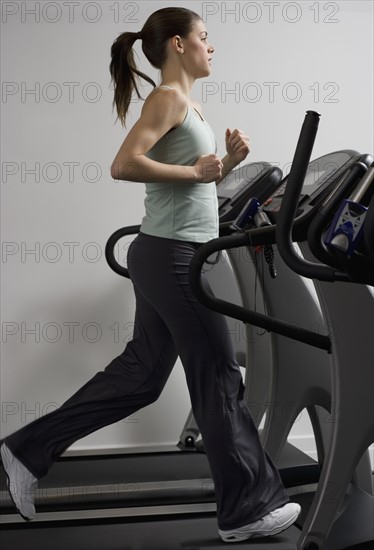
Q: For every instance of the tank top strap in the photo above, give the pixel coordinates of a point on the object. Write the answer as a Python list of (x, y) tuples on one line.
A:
[(166, 86)]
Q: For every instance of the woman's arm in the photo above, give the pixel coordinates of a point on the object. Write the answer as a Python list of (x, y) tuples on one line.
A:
[(237, 147), (162, 111)]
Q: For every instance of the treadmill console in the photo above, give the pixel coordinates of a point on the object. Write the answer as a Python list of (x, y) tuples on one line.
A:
[(257, 179), (321, 171)]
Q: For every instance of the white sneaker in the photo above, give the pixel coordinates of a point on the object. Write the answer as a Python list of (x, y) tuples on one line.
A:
[(21, 483), (272, 524)]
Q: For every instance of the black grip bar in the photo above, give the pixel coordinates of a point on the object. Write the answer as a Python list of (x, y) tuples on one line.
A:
[(288, 209), (111, 243), (270, 324), (225, 228)]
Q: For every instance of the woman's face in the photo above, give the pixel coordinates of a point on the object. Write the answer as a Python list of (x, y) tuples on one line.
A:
[(197, 51)]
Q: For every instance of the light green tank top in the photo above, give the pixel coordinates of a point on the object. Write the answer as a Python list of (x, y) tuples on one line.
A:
[(182, 211)]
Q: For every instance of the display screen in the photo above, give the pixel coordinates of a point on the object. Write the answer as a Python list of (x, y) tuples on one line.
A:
[(322, 169), (233, 183), (240, 177), (318, 172), (312, 177)]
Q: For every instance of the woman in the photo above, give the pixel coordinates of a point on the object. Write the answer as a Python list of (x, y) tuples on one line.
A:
[(173, 150)]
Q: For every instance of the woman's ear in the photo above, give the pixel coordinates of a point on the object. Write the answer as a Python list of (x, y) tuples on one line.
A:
[(178, 43)]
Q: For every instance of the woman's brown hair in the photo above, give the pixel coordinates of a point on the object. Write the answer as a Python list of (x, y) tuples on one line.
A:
[(159, 27)]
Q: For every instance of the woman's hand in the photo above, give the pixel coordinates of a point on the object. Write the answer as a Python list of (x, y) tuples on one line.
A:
[(208, 168), (237, 145)]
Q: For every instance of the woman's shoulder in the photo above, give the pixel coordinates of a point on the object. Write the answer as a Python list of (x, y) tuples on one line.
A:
[(166, 96), (166, 100)]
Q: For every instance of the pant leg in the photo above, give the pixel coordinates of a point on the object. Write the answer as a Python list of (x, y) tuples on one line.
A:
[(247, 483), (131, 381)]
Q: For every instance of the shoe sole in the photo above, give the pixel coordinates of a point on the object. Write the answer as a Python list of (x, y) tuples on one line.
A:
[(275, 531), (9, 491)]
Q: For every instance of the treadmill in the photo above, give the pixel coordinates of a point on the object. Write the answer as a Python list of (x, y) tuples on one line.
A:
[(153, 526), (341, 511)]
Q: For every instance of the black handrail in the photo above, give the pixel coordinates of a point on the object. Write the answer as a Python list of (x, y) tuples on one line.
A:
[(225, 228), (288, 209), (111, 243), (266, 322)]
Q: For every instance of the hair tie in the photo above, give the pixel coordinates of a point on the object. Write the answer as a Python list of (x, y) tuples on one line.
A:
[(139, 34)]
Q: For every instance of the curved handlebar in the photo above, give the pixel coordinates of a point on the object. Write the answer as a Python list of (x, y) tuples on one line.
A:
[(288, 209), (224, 229), (270, 324), (111, 243)]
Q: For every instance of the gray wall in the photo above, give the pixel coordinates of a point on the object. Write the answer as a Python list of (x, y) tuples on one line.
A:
[(65, 314)]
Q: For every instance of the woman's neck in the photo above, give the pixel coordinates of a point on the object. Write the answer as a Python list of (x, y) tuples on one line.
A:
[(183, 82)]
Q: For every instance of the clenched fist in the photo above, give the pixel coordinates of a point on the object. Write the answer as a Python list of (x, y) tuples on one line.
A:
[(208, 168), (237, 145)]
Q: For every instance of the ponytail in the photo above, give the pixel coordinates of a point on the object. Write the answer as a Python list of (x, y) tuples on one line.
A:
[(159, 27), (125, 74)]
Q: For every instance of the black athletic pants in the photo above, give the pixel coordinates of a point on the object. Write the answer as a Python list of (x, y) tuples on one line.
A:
[(169, 321)]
